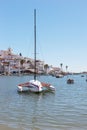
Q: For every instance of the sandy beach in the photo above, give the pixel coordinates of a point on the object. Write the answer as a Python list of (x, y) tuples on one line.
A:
[(5, 127)]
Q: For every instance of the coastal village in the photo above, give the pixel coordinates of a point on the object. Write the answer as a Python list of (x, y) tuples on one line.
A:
[(15, 64)]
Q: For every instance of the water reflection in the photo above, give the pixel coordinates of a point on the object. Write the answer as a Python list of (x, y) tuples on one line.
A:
[(37, 107)]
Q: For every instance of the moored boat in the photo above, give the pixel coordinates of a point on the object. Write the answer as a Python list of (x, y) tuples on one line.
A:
[(35, 85), (70, 81)]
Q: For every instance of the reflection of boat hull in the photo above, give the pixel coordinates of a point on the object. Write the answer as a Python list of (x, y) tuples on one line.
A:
[(70, 81), (35, 86)]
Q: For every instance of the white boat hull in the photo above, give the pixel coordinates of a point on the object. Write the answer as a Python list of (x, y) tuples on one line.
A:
[(35, 86)]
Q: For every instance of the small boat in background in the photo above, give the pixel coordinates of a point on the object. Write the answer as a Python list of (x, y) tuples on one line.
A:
[(82, 75), (70, 81), (59, 75), (86, 78)]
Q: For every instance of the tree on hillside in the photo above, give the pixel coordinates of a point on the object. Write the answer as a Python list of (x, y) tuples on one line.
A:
[(22, 62), (46, 66), (66, 67), (61, 65), (20, 54)]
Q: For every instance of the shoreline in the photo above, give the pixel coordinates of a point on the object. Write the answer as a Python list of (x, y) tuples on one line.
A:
[(6, 127)]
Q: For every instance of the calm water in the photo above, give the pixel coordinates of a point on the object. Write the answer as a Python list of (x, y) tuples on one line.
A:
[(66, 109)]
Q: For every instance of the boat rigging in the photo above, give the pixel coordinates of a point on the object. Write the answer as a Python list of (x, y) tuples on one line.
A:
[(35, 85)]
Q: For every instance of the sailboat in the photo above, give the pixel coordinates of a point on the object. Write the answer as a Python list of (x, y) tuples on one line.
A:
[(35, 85)]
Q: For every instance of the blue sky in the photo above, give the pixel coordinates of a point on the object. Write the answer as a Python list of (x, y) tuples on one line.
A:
[(61, 30)]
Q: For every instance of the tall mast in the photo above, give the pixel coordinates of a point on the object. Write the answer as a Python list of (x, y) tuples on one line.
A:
[(34, 44)]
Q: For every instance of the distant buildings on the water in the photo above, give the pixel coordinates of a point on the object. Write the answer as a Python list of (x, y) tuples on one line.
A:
[(11, 63)]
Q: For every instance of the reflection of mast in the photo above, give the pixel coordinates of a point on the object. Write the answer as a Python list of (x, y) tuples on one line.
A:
[(19, 68), (35, 110), (8, 68), (34, 44)]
